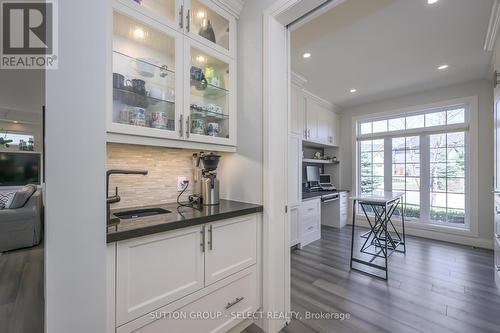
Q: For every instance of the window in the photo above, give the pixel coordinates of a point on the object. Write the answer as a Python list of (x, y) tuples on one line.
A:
[(424, 155)]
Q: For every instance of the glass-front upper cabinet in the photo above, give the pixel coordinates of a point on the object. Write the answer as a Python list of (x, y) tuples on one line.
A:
[(145, 58), (211, 26), (164, 11), (209, 92)]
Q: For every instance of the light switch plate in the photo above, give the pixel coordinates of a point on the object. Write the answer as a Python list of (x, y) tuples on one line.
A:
[(180, 183)]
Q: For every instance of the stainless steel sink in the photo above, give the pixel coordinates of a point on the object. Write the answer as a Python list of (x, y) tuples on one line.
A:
[(136, 213)]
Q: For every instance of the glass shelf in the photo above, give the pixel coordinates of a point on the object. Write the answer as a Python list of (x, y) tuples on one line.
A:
[(196, 112), (209, 90), (162, 68), (131, 95)]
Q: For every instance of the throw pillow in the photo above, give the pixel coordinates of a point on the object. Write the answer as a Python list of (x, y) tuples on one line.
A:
[(22, 196), (6, 198)]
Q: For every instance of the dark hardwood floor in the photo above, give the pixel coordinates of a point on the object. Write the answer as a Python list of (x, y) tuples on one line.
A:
[(435, 287), (21, 291)]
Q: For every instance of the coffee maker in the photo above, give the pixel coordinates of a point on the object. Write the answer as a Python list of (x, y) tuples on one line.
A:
[(206, 184)]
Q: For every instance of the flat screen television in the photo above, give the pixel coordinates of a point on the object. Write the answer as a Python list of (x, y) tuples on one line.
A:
[(19, 168)]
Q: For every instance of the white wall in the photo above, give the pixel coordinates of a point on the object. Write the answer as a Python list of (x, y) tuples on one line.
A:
[(241, 173), (75, 224), (483, 89)]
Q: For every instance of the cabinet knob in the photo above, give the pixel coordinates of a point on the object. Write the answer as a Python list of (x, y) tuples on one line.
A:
[(233, 303)]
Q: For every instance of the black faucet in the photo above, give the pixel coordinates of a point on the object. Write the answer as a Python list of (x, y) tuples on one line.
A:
[(116, 198)]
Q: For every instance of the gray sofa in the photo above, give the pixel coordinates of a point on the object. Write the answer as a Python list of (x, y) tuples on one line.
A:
[(22, 227)]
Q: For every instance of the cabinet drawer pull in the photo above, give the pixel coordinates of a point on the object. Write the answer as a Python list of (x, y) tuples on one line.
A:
[(188, 20), (187, 127), (310, 228), (210, 242), (310, 209), (236, 301), (181, 17), (202, 244), (181, 126)]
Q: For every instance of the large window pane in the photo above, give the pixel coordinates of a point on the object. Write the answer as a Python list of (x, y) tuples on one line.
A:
[(455, 139), (438, 140)]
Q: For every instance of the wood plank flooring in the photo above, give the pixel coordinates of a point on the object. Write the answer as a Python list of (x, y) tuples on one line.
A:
[(21, 291), (435, 287)]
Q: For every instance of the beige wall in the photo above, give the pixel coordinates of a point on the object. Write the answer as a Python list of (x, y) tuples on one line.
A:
[(160, 185)]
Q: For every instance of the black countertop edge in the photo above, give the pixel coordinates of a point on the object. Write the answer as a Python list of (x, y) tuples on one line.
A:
[(185, 223)]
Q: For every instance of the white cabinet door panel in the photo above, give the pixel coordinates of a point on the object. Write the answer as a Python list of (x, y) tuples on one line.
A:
[(153, 271), (297, 111), (231, 247)]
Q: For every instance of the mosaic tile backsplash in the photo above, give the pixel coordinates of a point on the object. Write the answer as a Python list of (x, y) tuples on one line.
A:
[(160, 185)]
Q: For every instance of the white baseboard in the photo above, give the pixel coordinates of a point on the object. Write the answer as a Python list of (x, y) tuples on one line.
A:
[(436, 235)]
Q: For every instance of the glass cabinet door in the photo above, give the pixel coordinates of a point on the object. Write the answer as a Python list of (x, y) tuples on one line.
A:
[(209, 96), (163, 10), (207, 24), (144, 82)]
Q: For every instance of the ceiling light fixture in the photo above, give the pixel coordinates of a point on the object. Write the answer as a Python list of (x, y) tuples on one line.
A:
[(201, 58), (306, 55), (353, 91), (431, 2), (443, 67)]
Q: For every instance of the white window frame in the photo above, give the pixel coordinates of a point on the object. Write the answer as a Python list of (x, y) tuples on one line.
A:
[(471, 141)]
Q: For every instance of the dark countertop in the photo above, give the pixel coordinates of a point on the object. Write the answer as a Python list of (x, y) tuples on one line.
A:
[(310, 195), (180, 217)]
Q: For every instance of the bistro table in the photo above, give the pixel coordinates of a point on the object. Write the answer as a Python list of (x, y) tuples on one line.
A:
[(382, 240)]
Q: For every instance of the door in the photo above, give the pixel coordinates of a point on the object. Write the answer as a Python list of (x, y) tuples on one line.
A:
[(145, 278), (497, 138), (211, 26), (294, 170), (297, 111), (146, 88), (231, 247), (209, 96)]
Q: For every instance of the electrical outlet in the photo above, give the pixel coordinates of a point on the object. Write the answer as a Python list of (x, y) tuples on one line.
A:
[(181, 183)]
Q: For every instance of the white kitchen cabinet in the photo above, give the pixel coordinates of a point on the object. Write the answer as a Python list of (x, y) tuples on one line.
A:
[(334, 213), (294, 170), (321, 123), (236, 294), (497, 179), (313, 113), (310, 221), (152, 271), (172, 85), (294, 225), (207, 268), (231, 246), (297, 111)]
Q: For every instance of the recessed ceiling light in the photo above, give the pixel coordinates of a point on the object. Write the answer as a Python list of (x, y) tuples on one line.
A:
[(306, 55), (430, 2), (443, 67), (353, 91)]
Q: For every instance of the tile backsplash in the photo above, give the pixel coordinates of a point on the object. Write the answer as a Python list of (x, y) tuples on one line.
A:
[(160, 185)]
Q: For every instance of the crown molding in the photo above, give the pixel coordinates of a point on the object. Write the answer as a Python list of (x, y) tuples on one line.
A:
[(298, 79), (234, 7), (493, 25)]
